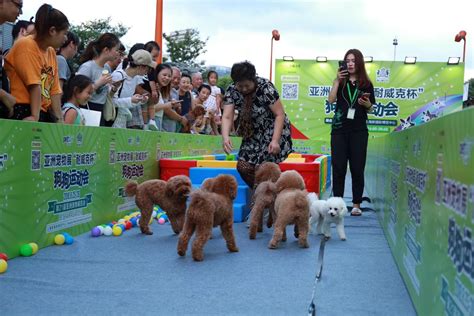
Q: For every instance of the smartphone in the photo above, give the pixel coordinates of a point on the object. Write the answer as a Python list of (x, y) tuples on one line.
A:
[(365, 95), (342, 65)]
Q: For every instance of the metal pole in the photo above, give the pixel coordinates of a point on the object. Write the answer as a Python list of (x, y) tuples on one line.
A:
[(159, 28), (271, 59), (464, 51)]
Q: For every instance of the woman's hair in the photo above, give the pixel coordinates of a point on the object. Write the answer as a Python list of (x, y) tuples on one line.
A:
[(152, 44), (48, 17), (361, 73), (95, 48), (243, 71), (210, 73), (71, 38), (76, 84), (129, 60), (166, 90), (204, 86)]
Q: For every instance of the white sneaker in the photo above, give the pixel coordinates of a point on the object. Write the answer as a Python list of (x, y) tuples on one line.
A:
[(152, 125)]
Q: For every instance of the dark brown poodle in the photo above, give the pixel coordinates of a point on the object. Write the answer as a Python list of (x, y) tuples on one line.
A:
[(210, 206), (264, 196), (170, 195), (291, 207)]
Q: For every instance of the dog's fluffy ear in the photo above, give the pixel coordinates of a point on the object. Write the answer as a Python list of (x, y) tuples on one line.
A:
[(226, 185), (207, 184)]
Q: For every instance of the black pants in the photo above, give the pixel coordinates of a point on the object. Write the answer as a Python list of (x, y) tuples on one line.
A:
[(350, 147), (20, 111)]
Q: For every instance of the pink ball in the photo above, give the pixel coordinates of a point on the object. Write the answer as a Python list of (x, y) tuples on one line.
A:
[(161, 221)]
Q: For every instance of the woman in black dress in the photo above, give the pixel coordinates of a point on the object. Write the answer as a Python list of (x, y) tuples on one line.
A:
[(263, 124)]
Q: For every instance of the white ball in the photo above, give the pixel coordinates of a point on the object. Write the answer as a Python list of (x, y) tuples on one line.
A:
[(154, 214), (121, 221), (108, 231)]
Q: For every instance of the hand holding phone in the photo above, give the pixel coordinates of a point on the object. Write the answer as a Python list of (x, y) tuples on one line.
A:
[(342, 72), (365, 95)]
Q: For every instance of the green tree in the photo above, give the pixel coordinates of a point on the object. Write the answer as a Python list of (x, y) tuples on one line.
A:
[(91, 30), (184, 47), (224, 82)]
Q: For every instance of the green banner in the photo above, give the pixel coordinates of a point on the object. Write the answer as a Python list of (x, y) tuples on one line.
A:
[(406, 95), (56, 178), (422, 182)]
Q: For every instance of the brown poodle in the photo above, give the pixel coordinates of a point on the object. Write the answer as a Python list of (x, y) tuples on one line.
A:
[(210, 206), (170, 195), (291, 207), (264, 196)]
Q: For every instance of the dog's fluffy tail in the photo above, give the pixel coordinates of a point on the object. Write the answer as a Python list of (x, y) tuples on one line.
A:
[(131, 188), (301, 201)]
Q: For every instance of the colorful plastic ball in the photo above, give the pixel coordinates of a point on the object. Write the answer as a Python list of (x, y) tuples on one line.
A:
[(34, 247), (121, 221), (3, 256), (69, 240), (128, 225), (101, 228), (127, 217), (154, 214), (26, 250), (59, 239), (108, 231), (161, 221), (95, 232), (3, 265), (117, 230), (133, 220)]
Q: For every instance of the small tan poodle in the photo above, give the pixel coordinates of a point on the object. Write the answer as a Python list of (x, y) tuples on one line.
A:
[(264, 196), (170, 195), (210, 206), (291, 207)]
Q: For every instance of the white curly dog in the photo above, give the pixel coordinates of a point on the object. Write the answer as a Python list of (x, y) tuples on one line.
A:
[(325, 212)]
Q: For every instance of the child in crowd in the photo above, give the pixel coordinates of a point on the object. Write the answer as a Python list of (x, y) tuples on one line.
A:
[(215, 97), (78, 92), (97, 54)]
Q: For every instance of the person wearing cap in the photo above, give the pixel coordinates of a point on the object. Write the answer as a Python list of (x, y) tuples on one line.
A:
[(129, 103)]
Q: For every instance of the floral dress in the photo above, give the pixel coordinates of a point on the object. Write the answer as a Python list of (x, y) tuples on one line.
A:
[(254, 149)]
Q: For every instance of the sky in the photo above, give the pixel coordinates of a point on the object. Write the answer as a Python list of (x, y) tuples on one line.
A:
[(241, 29)]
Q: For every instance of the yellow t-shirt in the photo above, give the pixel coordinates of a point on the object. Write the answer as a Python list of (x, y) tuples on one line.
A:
[(26, 64)]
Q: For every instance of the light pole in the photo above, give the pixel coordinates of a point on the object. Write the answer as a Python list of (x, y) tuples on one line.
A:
[(461, 36), (276, 37), (159, 28), (395, 43)]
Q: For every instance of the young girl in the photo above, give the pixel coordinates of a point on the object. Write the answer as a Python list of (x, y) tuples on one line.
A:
[(97, 53), (33, 71), (78, 92)]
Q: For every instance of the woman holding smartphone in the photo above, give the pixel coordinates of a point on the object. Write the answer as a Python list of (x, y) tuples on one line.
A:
[(353, 93)]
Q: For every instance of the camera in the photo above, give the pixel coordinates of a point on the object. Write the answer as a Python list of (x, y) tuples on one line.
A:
[(342, 65)]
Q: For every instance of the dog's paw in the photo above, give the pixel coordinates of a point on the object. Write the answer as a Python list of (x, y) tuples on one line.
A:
[(233, 249), (272, 245), (182, 253), (198, 257), (343, 238), (304, 244), (327, 237)]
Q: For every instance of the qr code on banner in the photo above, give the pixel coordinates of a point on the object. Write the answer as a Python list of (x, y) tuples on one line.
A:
[(35, 160), (289, 91)]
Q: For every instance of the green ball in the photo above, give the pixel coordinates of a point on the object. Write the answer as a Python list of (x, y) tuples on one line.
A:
[(26, 250)]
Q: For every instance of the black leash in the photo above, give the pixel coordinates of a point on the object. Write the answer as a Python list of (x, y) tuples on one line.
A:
[(319, 272)]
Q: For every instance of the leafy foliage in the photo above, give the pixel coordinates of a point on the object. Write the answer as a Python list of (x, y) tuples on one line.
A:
[(184, 47)]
